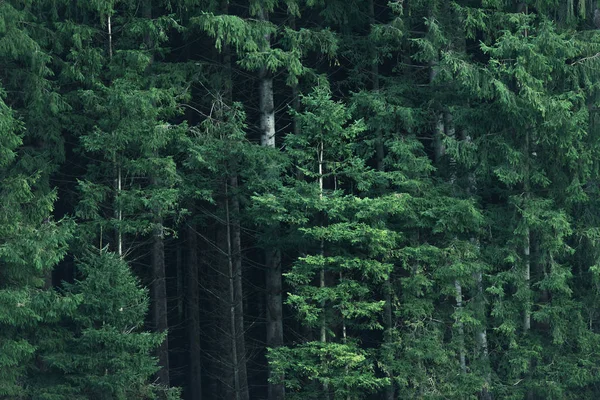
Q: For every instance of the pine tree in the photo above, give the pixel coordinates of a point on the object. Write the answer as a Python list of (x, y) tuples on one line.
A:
[(100, 351)]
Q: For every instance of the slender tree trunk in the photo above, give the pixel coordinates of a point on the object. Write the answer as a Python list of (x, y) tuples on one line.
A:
[(159, 296), (237, 356), (116, 166), (159, 283), (481, 338), (193, 315), (266, 102), (274, 308), (322, 282), (481, 330), (527, 245), (444, 126), (276, 390), (460, 327), (236, 260), (322, 244), (232, 304)]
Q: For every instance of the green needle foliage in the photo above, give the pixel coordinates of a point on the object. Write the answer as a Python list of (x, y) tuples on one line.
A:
[(294, 199)]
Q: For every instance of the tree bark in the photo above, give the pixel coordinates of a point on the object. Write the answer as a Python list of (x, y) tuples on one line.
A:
[(461, 328), (481, 338), (444, 126), (276, 390), (193, 314), (236, 259), (265, 90), (527, 244), (118, 181), (274, 308), (159, 297)]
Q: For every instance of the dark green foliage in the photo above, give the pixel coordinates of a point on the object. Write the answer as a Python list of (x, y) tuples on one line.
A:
[(430, 197), (102, 352)]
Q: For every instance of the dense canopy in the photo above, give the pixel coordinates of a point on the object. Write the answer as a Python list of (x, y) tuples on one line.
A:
[(299, 199)]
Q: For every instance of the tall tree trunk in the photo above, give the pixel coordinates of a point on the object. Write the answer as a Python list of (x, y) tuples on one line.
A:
[(193, 315), (322, 282), (159, 296), (159, 282), (481, 338), (444, 126), (480, 305), (461, 328), (266, 102), (118, 181), (236, 255), (237, 357), (527, 243), (237, 342), (276, 390)]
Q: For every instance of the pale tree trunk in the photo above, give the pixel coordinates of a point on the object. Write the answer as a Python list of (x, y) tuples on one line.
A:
[(274, 306), (193, 315), (266, 102), (527, 244), (322, 282), (461, 328), (116, 166), (481, 338), (526, 279), (322, 244), (524, 8)]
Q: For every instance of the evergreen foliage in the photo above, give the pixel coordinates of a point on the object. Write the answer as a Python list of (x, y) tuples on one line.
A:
[(299, 199)]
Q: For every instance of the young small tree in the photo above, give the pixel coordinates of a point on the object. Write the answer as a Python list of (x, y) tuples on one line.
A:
[(101, 351)]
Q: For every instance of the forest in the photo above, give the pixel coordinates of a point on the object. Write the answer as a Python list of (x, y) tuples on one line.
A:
[(299, 199)]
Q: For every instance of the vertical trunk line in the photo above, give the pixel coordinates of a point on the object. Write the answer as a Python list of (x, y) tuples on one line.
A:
[(322, 244), (120, 212), (236, 255), (116, 166), (273, 281), (461, 328), (320, 158), (193, 311), (527, 242), (110, 45), (159, 291), (159, 284), (444, 126), (232, 300), (527, 277)]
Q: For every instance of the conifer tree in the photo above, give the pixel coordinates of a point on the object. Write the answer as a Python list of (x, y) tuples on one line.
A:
[(103, 354)]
